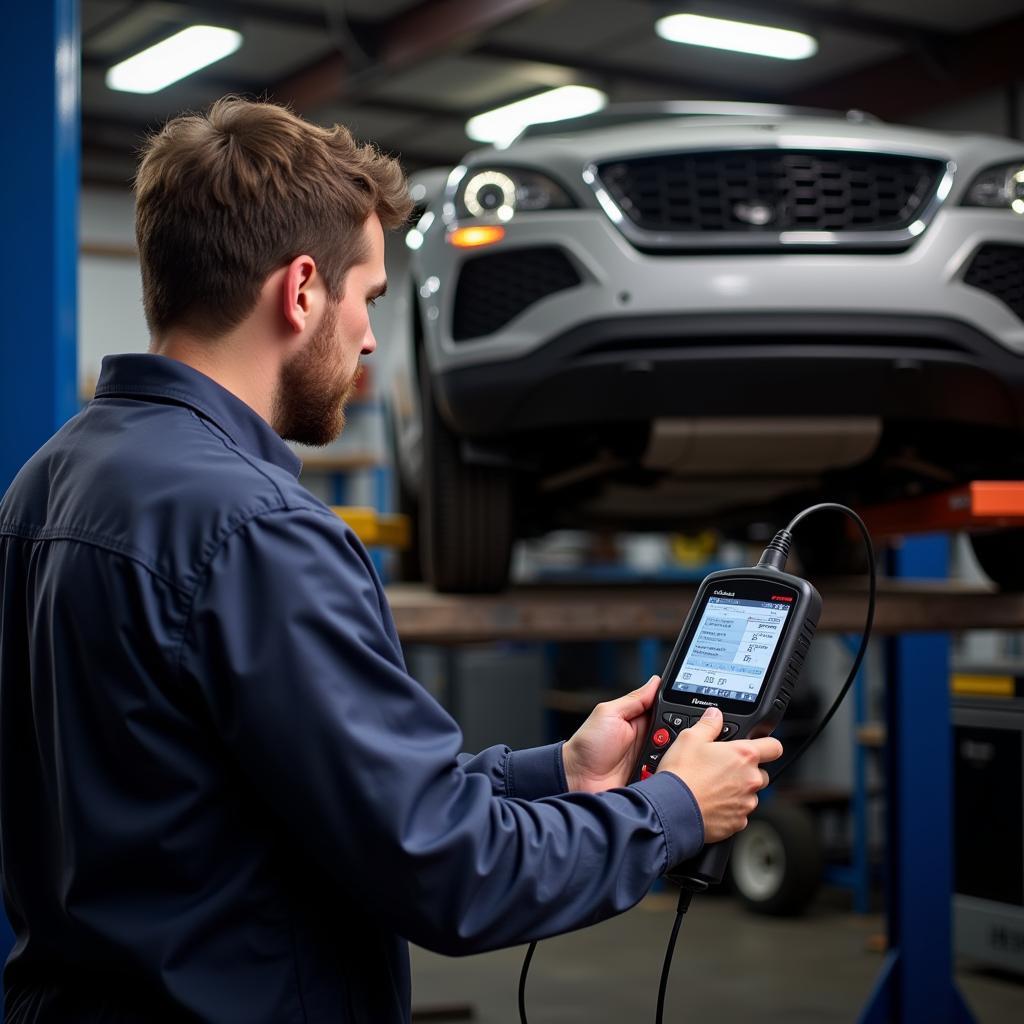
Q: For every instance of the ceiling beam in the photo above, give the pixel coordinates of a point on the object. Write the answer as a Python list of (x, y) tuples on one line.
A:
[(130, 132), (415, 108), (907, 84), (430, 28)]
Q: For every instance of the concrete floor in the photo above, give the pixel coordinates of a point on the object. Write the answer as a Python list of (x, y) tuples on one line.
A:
[(730, 967)]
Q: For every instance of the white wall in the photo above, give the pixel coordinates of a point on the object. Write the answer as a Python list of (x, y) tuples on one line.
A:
[(110, 317)]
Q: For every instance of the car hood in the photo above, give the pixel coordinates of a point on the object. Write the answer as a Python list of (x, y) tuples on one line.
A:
[(571, 152)]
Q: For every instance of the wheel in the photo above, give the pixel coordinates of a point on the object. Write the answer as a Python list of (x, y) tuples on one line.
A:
[(404, 502), (1000, 553), (466, 511), (776, 860)]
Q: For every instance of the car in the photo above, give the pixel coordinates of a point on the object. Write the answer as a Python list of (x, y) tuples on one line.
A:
[(679, 315)]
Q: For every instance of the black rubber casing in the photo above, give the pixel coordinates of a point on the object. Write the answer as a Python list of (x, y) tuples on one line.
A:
[(739, 723)]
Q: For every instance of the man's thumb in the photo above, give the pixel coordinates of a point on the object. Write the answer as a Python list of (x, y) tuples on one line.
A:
[(710, 723)]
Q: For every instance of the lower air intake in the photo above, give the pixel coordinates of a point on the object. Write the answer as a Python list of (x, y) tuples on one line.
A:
[(999, 270), (494, 289)]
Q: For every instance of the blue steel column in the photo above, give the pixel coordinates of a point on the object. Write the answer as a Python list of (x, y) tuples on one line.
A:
[(917, 980), (39, 74)]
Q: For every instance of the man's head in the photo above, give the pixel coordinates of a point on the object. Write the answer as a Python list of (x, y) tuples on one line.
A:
[(249, 206)]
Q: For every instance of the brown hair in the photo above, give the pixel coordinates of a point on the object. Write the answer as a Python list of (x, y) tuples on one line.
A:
[(225, 198)]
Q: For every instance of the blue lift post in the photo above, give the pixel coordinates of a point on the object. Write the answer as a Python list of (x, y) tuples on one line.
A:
[(916, 983), (39, 248)]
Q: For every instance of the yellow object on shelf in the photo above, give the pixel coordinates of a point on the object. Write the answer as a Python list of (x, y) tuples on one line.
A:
[(990, 686), (373, 528), (694, 549)]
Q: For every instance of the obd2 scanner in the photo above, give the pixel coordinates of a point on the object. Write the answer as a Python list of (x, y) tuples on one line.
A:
[(741, 649)]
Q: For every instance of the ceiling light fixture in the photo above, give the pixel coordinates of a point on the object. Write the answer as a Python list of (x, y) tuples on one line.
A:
[(174, 58), (740, 36), (501, 125)]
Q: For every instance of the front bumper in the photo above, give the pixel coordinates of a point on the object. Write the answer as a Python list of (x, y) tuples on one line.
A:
[(621, 369), (620, 284)]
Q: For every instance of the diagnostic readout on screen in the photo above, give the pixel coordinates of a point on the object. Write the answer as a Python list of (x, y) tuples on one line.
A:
[(732, 648)]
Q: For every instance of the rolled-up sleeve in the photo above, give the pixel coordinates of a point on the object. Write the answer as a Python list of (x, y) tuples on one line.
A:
[(286, 647)]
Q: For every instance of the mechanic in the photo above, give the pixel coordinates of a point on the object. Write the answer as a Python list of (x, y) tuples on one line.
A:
[(222, 797)]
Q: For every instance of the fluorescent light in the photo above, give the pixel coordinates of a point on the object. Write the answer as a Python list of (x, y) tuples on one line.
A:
[(175, 57), (503, 124), (741, 36)]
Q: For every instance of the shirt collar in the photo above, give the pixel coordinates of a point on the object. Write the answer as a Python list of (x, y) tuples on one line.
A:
[(159, 377)]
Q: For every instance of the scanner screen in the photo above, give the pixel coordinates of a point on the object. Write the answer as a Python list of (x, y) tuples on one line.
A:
[(732, 648)]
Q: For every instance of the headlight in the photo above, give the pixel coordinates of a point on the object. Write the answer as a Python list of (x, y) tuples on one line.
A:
[(1001, 186), (493, 194)]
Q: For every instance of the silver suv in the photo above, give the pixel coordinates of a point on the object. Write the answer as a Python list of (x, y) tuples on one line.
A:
[(687, 316)]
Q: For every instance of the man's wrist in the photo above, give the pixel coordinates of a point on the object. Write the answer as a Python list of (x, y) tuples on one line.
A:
[(572, 780)]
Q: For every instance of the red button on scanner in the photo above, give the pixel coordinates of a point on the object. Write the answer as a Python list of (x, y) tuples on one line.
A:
[(645, 772), (661, 738)]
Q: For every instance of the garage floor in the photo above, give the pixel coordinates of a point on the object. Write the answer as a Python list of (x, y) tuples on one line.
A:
[(730, 966)]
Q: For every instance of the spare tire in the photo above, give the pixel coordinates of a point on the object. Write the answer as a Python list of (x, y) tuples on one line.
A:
[(776, 862)]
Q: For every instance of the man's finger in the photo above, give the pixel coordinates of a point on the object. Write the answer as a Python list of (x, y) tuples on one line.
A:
[(768, 749), (709, 725), (636, 702)]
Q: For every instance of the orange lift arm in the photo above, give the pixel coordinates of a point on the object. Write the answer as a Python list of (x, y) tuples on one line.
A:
[(980, 505)]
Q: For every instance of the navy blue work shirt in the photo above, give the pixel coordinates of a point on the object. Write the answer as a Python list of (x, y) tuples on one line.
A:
[(222, 797)]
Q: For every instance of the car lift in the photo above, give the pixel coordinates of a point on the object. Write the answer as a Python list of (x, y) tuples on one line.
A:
[(915, 612)]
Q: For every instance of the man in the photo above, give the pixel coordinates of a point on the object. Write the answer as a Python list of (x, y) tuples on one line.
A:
[(223, 798)]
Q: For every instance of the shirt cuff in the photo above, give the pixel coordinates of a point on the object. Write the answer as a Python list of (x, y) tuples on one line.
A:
[(681, 820), (536, 772)]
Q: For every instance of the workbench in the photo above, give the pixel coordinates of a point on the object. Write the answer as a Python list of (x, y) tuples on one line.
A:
[(916, 983)]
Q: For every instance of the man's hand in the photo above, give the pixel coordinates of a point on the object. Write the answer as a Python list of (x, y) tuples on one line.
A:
[(724, 778), (601, 754)]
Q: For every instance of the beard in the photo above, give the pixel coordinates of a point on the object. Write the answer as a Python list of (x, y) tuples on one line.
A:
[(309, 406)]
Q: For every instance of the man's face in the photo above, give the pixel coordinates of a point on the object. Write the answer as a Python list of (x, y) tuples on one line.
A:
[(319, 379)]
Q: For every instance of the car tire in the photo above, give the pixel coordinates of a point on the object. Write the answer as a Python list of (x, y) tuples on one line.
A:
[(404, 502), (1000, 553), (776, 862), (465, 511)]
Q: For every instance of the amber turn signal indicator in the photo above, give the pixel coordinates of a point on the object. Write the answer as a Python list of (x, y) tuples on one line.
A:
[(473, 237)]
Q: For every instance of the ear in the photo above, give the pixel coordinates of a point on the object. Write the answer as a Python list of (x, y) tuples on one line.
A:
[(296, 292)]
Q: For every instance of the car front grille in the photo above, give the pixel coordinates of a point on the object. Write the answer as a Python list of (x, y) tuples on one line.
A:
[(496, 288), (999, 270), (761, 193)]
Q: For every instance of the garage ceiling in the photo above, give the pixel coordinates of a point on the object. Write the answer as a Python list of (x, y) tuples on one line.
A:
[(409, 73)]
